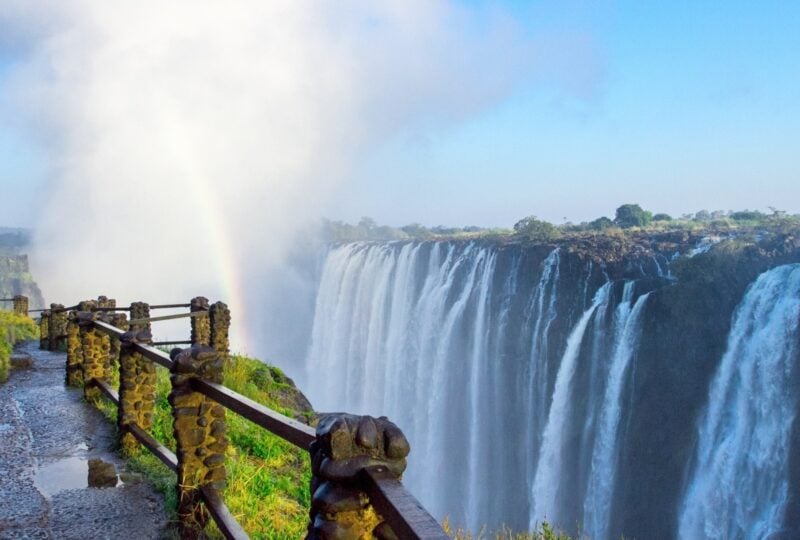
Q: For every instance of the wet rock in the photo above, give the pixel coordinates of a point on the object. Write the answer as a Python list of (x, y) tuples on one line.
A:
[(21, 360), (102, 474)]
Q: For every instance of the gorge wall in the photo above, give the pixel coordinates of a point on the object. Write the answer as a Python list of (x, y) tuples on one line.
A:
[(570, 382), (16, 278)]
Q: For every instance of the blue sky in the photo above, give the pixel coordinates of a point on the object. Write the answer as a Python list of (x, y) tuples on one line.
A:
[(679, 106), (696, 105)]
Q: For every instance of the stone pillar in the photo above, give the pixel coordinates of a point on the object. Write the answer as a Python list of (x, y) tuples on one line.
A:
[(21, 305), (140, 310), (58, 326), (74, 343), (106, 302), (201, 326), (96, 353), (74, 352), (118, 320), (137, 388), (345, 445), (200, 434), (220, 319), (44, 331)]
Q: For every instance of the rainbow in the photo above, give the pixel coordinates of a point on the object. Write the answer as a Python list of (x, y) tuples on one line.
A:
[(229, 279)]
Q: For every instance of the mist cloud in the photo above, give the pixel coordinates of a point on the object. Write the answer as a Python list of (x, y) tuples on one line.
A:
[(188, 141)]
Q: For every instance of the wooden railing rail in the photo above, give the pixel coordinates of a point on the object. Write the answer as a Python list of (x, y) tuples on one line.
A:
[(350, 455)]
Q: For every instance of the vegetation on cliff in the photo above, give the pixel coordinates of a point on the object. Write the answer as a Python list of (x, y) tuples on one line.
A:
[(14, 328), (268, 478), (629, 219)]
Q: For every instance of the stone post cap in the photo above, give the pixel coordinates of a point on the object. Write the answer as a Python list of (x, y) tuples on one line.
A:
[(347, 443), (144, 337), (200, 360), (85, 318), (199, 303)]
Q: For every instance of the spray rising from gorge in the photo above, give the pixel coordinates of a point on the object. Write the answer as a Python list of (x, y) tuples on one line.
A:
[(208, 136)]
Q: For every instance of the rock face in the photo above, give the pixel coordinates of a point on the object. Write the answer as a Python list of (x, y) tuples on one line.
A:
[(15, 278), (591, 358)]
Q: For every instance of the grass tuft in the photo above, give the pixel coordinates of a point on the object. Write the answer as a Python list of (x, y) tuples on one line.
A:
[(14, 328)]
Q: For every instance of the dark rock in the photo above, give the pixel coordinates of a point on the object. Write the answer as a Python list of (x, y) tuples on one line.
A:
[(102, 474), (21, 360)]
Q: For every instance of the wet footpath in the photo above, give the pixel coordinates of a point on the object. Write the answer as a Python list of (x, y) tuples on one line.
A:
[(59, 476)]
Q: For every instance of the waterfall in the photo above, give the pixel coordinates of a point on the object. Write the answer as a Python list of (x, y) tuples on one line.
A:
[(478, 353), (542, 313), (600, 490), (549, 468), (739, 485)]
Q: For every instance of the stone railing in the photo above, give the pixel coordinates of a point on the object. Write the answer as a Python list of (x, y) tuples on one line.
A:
[(356, 461)]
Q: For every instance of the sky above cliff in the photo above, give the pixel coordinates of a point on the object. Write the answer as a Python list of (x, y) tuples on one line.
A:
[(465, 113)]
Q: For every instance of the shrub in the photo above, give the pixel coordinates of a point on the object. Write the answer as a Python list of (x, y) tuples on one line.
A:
[(601, 224), (536, 229), (632, 215)]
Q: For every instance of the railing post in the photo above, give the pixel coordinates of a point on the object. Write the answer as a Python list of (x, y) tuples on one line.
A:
[(74, 344), (96, 348), (140, 310), (220, 319), (58, 326), (200, 434), (345, 445), (119, 320), (201, 326), (137, 388), (44, 329), (106, 302), (21, 305), (74, 352)]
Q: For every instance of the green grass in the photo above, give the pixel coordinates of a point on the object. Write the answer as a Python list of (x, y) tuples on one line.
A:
[(14, 328), (544, 532), (268, 478)]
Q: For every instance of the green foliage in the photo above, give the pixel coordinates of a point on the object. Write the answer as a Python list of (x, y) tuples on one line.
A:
[(601, 224), (747, 215), (14, 328), (632, 215), (662, 217), (536, 230)]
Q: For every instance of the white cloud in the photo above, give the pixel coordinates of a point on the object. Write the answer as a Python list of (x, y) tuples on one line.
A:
[(188, 140)]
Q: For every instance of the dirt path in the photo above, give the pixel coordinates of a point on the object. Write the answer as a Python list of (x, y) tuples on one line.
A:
[(48, 434)]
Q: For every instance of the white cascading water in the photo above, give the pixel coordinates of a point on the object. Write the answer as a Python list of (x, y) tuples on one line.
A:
[(385, 338), (549, 468), (534, 391), (472, 351), (600, 488), (739, 484)]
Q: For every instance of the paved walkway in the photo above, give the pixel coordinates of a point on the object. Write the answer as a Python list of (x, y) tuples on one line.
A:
[(48, 434)]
